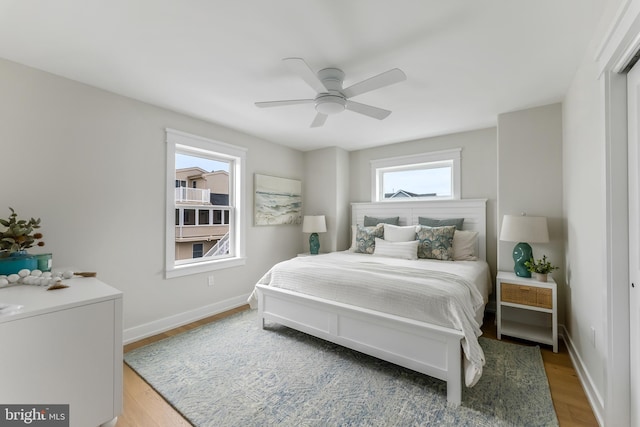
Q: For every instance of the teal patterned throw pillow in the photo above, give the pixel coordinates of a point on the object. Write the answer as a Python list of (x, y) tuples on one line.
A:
[(435, 242), (366, 238)]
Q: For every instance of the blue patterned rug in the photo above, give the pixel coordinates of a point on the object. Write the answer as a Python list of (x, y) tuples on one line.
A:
[(232, 373)]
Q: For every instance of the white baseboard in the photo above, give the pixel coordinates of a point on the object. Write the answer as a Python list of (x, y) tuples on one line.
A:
[(594, 398), (162, 325)]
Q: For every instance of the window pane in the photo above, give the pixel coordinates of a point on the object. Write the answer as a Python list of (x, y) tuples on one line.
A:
[(197, 250), (201, 184), (217, 217), (431, 182), (203, 216), (189, 217), (428, 175)]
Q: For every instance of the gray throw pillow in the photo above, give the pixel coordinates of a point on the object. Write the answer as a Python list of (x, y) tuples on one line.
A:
[(370, 221), (433, 222)]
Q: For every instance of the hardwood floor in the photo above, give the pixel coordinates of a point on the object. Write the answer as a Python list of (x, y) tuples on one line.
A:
[(143, 407)]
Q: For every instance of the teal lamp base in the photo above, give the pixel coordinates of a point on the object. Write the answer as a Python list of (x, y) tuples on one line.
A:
[(314, 244), (521, 253)]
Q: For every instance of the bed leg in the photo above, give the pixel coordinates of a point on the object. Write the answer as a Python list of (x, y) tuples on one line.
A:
[(454, 392), (454, 381)]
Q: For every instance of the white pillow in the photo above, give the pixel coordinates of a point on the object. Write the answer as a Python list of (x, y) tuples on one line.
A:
[(395, 233), (464, 245), (402, 250)]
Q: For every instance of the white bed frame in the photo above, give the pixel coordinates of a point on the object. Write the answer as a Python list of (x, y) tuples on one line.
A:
[(423, 347)]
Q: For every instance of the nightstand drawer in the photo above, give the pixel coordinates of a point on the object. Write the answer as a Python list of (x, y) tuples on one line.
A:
[(526, 295)]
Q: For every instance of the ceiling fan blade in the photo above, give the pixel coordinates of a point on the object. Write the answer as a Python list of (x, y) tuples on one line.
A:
[(376, 82), (319, 120), (367, 110), (283, 103), (300, 67)]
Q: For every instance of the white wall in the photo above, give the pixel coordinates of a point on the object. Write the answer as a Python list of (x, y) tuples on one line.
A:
[(326, 192), (583, 170), (585, 176), (530, 181), (91, 164), (478, 162)]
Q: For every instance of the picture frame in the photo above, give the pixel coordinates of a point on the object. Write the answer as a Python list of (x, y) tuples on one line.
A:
[(277, 201)]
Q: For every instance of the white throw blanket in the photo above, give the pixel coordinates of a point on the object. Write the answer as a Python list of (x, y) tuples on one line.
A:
[(404, 288)]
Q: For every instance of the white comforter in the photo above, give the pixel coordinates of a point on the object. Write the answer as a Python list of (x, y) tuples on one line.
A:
[(422, 290)]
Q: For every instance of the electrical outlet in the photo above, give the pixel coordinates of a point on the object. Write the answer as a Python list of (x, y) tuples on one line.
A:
[(593, 336), (210, 281)]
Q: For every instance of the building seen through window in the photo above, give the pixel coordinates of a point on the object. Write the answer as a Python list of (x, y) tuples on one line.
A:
[(202, 207)]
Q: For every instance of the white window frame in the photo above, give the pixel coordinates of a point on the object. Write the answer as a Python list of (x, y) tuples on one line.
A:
[(182, 142), (430, 160)]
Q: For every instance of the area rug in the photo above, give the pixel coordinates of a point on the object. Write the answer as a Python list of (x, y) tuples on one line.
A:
[(233, 373)]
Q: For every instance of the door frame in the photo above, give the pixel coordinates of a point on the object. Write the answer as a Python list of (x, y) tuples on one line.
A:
[(620, 44)]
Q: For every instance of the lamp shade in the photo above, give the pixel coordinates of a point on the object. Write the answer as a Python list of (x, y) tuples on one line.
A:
[(314, 224), (522, 228)]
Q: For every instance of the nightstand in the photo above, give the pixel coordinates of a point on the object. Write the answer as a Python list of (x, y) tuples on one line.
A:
[(527, 308)]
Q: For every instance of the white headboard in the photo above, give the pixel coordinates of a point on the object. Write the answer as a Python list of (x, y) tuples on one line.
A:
[(474, 212)]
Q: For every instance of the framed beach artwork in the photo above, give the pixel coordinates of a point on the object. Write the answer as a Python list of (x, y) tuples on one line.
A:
[(277, 200)]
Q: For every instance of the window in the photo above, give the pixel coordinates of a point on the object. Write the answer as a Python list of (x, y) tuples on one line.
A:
[(197, 250), (203, 217), (189, 217), (197, 238), (217, 217), (434, 175)]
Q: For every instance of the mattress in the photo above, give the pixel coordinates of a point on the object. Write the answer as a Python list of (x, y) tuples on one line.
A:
[(445, 293)]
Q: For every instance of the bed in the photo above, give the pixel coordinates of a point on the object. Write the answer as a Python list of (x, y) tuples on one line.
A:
[(372, 304)]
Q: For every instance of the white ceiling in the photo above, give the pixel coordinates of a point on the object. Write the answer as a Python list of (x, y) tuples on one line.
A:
[(466, 60)]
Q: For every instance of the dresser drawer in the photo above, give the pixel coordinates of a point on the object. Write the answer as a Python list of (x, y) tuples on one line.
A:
[(526, 295)]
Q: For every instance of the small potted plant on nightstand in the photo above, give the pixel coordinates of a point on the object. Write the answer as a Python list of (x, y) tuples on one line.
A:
[(540, 268), (14, 242)]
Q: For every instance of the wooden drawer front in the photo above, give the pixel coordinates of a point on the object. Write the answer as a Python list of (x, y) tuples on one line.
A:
[(526, 295)]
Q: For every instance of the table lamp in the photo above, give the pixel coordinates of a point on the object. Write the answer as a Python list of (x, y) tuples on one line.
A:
[(314, 224), (524, 230)]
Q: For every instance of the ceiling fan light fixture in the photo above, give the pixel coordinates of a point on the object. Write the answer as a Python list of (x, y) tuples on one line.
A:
[(330, 104), (331, 98)]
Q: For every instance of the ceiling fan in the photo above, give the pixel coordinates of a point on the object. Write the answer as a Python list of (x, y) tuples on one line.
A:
[(331, 98)]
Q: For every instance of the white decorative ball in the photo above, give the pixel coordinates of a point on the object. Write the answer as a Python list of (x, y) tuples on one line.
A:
[(46, 274), (24, 272), (36, 273), (67, 274), (3, 282), (13, 278)]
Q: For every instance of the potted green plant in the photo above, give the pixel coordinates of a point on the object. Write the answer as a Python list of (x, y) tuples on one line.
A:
[(18, 236), (540, 268)]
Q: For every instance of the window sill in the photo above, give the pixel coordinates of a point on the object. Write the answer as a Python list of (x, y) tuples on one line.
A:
[(203, 267)]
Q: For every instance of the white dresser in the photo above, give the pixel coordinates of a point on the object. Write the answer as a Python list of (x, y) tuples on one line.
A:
[(64, 347)]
